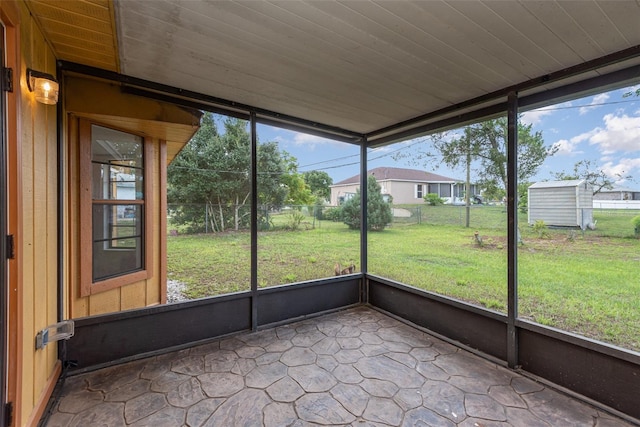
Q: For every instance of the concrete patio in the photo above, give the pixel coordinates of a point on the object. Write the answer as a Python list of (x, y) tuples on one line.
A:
[(355, 367)]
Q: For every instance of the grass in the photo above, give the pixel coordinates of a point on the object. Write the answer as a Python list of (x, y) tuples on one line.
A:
[(587, 283)]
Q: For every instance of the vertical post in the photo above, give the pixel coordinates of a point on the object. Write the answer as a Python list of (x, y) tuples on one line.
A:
[(254, 222), (467, 184), (363, 218), (512, 231), (60, 176)]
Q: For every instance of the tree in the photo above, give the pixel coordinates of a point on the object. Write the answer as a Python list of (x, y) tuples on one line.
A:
[(213, 170), (298, 192), (484, 145), (595, 176), (460, 150), (523, 196), (271, 166), (378, 211), (491, 136), (319, 183), (631, 93)]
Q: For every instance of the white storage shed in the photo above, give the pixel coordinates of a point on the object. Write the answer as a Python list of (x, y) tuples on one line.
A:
[(561, 203)]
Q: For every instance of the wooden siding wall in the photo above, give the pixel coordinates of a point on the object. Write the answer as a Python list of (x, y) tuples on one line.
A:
[(37, 188), (136, 295)]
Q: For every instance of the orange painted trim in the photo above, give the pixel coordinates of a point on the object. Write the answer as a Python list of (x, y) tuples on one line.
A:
[(162, 233), (43, 399), (84, 154), (149, 162), (87, 286), (72, 225), (117, 282), (10, 17)]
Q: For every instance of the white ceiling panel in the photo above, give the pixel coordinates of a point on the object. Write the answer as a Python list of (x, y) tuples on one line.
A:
[(365, 65)]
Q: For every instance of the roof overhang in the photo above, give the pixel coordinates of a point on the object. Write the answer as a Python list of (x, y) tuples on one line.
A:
[(107, 103), (382, 70)]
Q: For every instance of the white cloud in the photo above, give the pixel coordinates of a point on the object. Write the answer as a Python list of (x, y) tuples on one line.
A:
[(566, 147), (623, 168), (534, 117), (621, 133), (312, 141), (597, 101), (569, 147)]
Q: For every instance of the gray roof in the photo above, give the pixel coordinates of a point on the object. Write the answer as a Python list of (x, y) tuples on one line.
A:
[(399, 174), (558, 184), (619, 189)]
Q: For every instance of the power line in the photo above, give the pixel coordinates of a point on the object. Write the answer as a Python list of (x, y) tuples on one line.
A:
[(568, 107)]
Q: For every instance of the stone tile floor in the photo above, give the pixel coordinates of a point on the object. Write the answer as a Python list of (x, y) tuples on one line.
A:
[(356, 367)]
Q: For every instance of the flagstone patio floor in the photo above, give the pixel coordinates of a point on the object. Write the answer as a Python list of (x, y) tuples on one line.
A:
[(355, 367)]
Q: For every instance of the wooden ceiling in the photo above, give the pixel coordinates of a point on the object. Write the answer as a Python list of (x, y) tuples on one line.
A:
[(355, 65), (81, 31)]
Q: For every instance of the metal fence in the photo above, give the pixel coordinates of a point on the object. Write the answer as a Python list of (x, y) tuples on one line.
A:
[(207, 218), (200, 218)]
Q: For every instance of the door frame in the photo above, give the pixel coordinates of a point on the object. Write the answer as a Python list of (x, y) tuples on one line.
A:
[(11, 333), (4, 277)]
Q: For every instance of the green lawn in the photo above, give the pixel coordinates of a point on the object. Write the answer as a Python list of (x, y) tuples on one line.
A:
[(587, 283)]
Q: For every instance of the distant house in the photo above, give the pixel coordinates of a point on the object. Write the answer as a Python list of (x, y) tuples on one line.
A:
[(561, 203), (404, 186), (617, 193)]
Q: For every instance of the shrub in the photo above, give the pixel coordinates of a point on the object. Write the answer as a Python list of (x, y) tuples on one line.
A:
[(540, 228), (433, 199), (523, 196), (332, 214), (378, 211), (636, 224)]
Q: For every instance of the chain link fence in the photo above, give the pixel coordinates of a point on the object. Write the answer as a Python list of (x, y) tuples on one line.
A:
[(207, 218), (201, 218)]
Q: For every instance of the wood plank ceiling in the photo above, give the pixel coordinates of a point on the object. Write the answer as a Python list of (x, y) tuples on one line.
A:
[(356, 65), (80, 31)]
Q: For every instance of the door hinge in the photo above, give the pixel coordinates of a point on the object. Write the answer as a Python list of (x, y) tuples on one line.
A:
[(11, 249), (8, 413), (7, 79)]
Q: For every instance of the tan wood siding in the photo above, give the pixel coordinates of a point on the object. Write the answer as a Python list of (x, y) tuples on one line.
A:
[(146, 291), (37, 239)]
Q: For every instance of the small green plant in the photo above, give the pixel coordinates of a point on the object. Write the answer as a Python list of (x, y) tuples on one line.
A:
[(544, 320), (294, 220), (636, 225), (433, 199), (540, 228), (493, 304), (290, 278), (312, 259)]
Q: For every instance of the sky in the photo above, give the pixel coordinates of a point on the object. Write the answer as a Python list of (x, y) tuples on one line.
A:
[(603, 129)]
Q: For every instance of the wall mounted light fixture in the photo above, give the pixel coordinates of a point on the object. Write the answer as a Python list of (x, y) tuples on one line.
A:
[(43, 85)]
